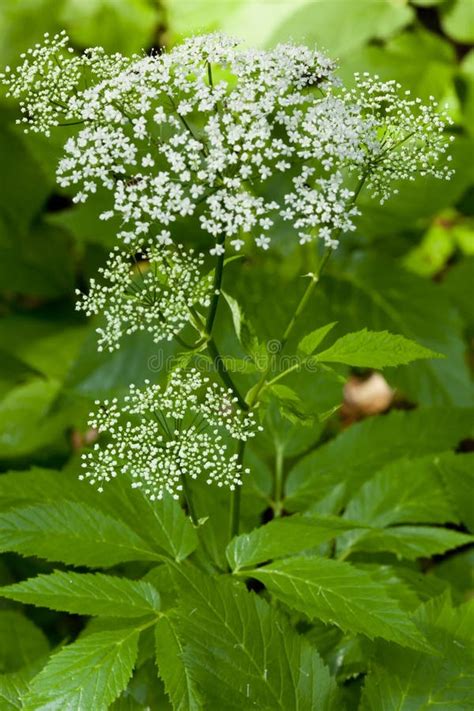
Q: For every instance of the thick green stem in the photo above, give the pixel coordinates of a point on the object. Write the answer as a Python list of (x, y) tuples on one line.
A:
[(225, 377)]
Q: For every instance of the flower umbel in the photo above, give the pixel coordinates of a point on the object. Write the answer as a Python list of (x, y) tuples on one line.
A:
[(200, 131), (158, 435), (154, 294)]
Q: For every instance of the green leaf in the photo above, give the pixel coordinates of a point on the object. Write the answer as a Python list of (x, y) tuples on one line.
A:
[(290, 404), (103, 374), (246, 334), (358, 452), (24, 427), (339, 593), (117, 25), (340, 27), (38, 261), (12, 688), (144, 691), (16, 213), (88, 674), (457, 571), (402, 680), (423, 62), (48, 345), (73, 533), (374, 349), (457, 20), (21, 641), (284, 536), (409, 490), (311, 341), (162, 524), (87, 594), (458, 283), (172, 668), (457, 472), (430, 256), (384, 296), (411, 542), (243, 653)]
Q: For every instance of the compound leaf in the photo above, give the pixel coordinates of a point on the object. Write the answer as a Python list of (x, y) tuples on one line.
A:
[(87, 594)]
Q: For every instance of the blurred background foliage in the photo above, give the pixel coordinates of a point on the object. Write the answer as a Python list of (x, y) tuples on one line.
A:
[(409, 268)]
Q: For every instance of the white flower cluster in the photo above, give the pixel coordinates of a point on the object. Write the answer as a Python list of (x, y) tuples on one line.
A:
[(155, 294), (202, 130), (158, 435), (408, 136)]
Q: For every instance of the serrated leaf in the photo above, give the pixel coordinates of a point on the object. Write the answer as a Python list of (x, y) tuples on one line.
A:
[(407, 491), (403, 680), (374, 349), (384, 296), (339, 593), (162, 524), (172, 669), (411, 542), (284, 536), (12, 688), (243, 653), (88, 674), (457, 473), (290, 404), (21, 641), (358, 452), (311, 341), (87, 594), (72, 533)]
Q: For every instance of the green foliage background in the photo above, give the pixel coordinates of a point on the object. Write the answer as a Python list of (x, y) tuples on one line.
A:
[(408, 269)]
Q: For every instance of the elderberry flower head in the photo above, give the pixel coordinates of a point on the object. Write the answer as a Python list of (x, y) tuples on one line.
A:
[(155, 294), (159, 435), (208, 130)]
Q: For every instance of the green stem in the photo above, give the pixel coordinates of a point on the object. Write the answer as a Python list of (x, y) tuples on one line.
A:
[(224, 373), (298, 311), (189, 500), (216, 288), (315, 277), (235, 499), (278, 484), (183, 343), (225, 377)]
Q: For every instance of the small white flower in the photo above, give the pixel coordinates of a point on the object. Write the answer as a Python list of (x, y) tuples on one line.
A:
[(160, 435), (262, 241), (153, 295), (217, 250), (147, 161), (166, 143)]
